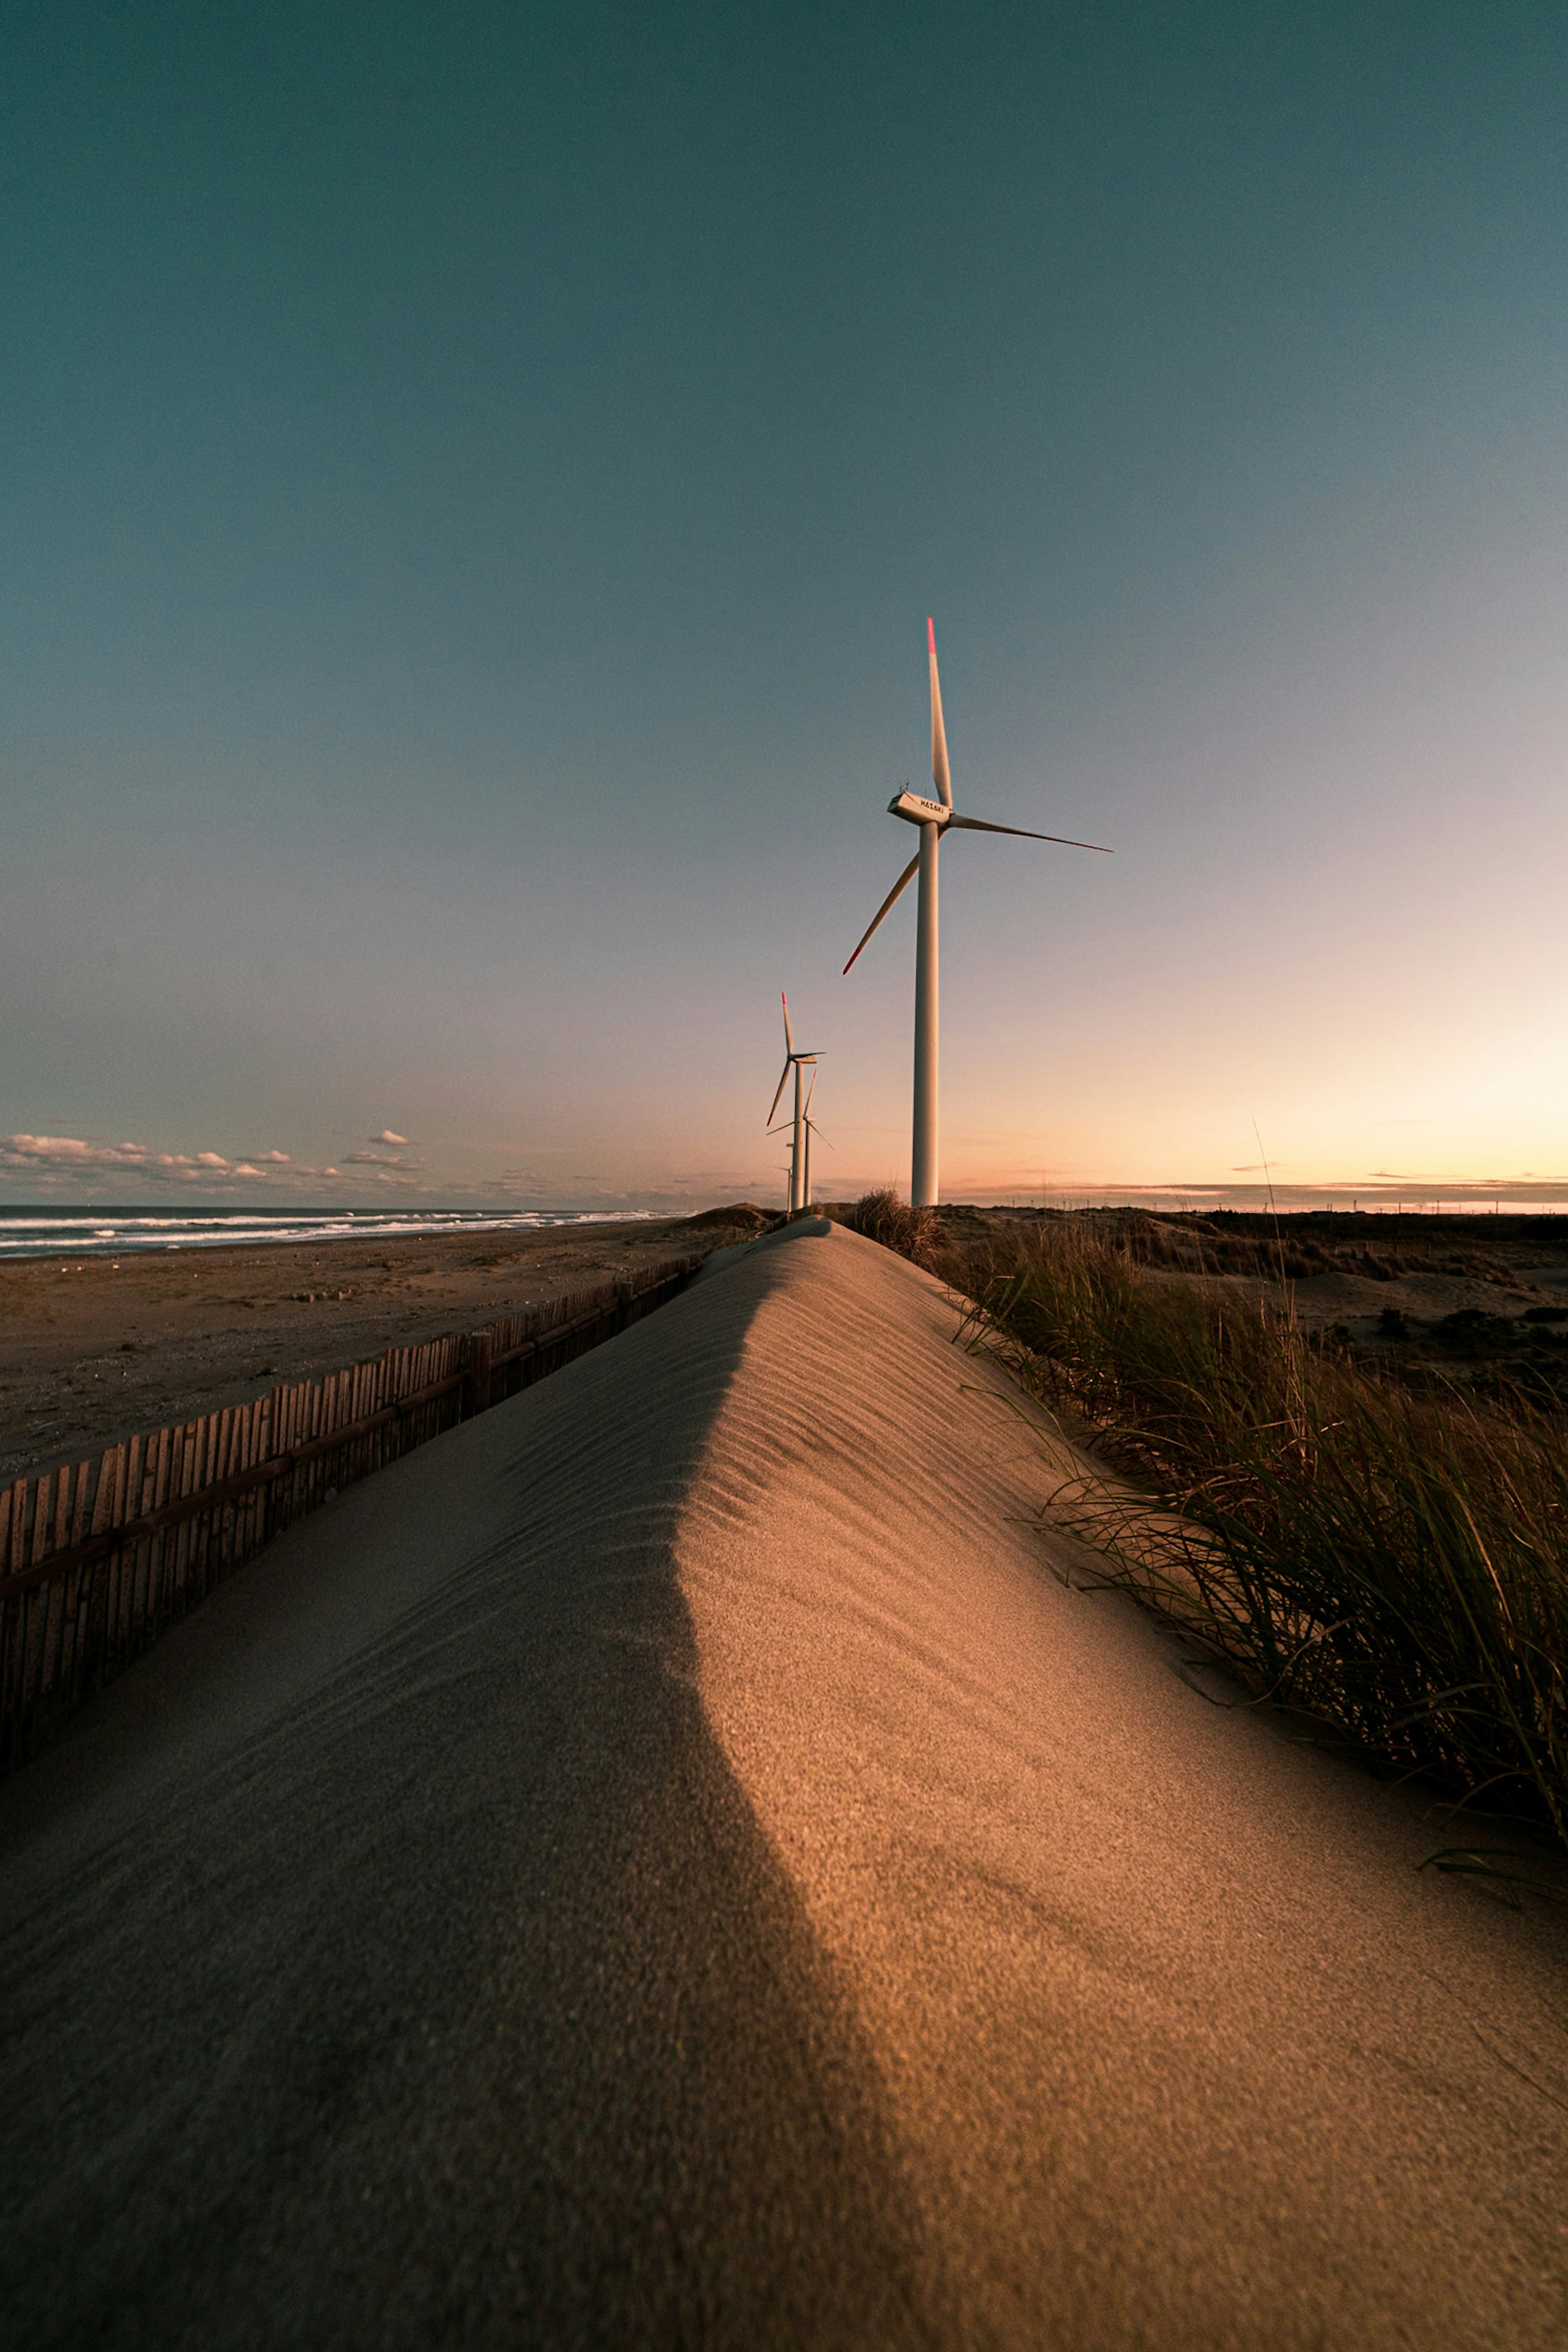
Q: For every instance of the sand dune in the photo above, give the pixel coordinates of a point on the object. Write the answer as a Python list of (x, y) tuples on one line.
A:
[(667, 1864)]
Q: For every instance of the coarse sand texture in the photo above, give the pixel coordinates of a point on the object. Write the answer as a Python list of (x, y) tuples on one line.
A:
[(669, 1865)]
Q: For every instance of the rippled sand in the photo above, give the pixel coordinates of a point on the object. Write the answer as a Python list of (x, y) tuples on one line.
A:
[(668, 1863)]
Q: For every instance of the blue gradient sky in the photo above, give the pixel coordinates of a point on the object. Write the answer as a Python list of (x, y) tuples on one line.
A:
[(472, 480)]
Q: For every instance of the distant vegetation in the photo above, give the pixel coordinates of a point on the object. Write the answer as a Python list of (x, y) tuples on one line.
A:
[(1388, 1553), (1499, 1356)]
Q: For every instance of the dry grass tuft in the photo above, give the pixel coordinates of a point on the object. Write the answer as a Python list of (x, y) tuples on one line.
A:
[(887, 1218), (1394, 1563)]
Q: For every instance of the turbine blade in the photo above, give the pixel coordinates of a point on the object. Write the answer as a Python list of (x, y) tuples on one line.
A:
[(789, 1041), (782, 1082), (979, 824), (939, 775), (902, 882), (810, 1090)]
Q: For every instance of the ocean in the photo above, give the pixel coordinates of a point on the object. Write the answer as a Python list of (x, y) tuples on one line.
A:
[(31, 1232)]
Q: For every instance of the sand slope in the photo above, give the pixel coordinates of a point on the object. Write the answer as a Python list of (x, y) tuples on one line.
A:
[(666, 1865)]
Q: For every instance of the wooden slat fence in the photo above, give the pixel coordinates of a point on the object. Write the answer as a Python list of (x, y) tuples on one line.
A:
[(98, 1559)]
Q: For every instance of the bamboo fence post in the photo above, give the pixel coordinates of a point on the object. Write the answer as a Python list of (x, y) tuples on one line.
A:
[(479, 1346)]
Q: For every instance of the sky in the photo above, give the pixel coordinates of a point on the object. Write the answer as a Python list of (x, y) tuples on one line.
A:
[(473, 478)]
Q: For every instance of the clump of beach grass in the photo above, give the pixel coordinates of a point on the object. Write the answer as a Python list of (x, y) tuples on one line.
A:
[(1394, 1563), (886, 1217)]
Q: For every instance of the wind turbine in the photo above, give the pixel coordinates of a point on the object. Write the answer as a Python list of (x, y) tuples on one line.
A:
[(796, 1062), (811, 1129), (934, 818)]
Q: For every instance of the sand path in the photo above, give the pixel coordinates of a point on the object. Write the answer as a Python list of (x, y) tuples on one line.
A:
[(666, 1865)]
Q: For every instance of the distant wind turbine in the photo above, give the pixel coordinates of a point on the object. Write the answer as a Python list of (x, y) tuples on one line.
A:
[(934, 818), (809, 1128), (796, 1062)]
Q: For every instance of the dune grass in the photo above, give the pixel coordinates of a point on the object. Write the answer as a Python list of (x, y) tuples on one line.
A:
[(1394, 1564), (888, 1218)]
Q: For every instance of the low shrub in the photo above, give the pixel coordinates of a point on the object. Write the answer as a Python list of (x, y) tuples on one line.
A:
[(1469, 1331)]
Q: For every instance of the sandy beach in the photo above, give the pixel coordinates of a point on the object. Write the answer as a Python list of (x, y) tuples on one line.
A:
[(93, 1351), (677, 1860)]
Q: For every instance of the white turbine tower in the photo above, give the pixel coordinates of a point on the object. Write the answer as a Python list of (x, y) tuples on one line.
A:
[(934, 818), (796, 1062)]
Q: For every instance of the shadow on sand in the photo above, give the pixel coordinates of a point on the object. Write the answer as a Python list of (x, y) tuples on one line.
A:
[(459, 2000)]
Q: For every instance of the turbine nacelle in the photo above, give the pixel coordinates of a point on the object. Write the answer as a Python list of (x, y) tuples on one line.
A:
[(915, 809)]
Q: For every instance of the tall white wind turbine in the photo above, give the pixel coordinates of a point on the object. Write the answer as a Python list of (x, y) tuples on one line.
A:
[(934, 818), (798, 1062)]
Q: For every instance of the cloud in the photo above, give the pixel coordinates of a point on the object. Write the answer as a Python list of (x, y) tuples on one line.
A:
[(55, 1157), (69, 1148), (71, 1151), (379, 1159), (386, 1136)]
